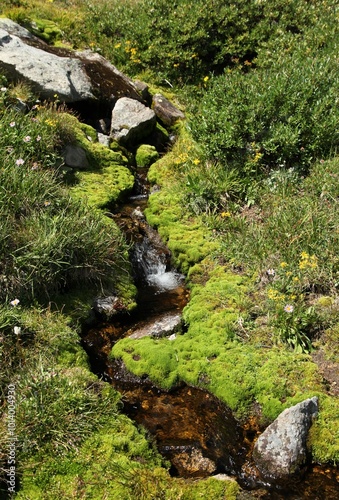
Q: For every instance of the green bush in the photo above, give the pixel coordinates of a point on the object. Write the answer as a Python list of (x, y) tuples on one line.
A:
[(179, 43), (279, 117)]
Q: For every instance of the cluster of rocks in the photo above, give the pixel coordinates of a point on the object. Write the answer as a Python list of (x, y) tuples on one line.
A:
[(88, 78)]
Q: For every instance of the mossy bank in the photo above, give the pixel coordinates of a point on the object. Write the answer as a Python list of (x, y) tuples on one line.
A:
[(228, 345)]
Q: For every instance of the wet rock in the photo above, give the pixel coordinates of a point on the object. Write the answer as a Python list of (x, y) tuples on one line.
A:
[(102, 126), (167, 113), (193, 464), (104, 139), (107, 82), (137, 214), (223, 477), (161, 327), (108, 306), (132, 122), (281, 449)]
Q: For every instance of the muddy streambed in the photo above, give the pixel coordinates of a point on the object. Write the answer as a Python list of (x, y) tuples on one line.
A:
[(192, 429)]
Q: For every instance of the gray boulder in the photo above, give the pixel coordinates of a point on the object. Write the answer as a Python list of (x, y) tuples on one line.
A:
[(72, 76), (132, 122), (15, 29), (48, 73), (167, 113), (281, 450)]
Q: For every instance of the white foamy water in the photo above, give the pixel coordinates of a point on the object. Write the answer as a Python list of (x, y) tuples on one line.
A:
[(164, 280), (152, 265)]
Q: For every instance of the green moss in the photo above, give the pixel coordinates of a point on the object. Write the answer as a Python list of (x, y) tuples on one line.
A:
[(185, 237), (146, 155), (198, 357), (100, 156), (116, 463), (104, 465), (103, 189), (45, 29), (324, 434), (107, 179), (89, 132), (155, 358), (284, 379)]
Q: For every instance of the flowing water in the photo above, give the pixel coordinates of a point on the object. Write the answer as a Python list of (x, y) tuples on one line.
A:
[(192, 428)]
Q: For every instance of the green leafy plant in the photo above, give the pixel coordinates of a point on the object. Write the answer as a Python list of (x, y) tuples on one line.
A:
[(274, 118)]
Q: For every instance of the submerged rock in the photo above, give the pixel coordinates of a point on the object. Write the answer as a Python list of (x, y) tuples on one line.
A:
[(192, 463), (108, 306), (161, 327), (281, 450)]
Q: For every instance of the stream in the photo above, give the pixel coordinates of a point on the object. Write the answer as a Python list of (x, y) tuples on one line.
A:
[(192, 429)]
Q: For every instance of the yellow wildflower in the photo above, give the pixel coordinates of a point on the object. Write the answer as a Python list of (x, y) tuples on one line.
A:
[(225, 214), (206, 78), (308, 261), (283, 264), (196, 161), (272, 294)]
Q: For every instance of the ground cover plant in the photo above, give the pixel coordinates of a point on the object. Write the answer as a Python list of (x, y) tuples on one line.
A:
[(248, 207)]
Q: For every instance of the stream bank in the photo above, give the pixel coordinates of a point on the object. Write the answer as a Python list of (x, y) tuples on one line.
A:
[(191, 428)]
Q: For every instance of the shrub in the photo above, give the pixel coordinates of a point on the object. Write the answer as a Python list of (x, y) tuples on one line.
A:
[(182, 44), (280, 117)]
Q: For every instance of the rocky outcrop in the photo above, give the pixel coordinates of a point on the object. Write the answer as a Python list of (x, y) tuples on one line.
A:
[(47, 73), (132, 121), (119, 108), (73, 76), (281, 450)]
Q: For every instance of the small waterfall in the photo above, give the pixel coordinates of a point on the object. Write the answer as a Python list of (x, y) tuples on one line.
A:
[(153, 267)]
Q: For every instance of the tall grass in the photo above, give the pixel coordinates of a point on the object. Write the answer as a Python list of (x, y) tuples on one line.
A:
[(50, 243)]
